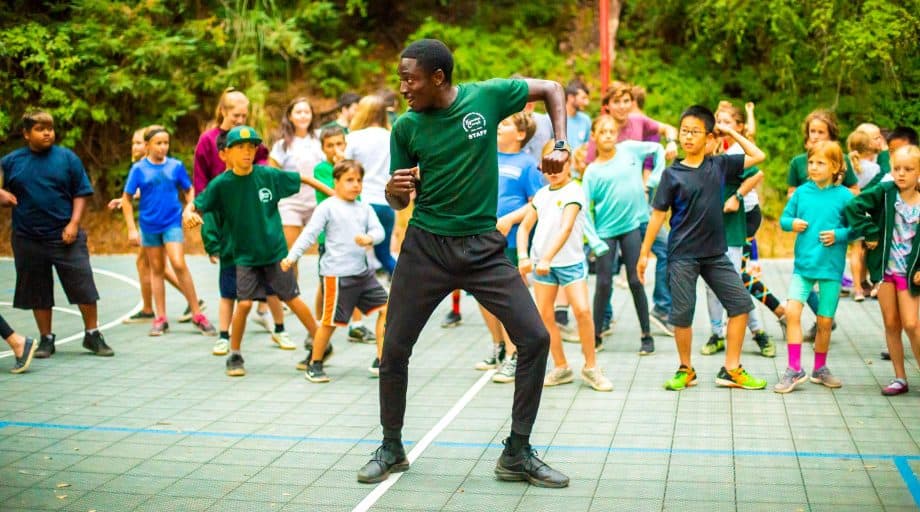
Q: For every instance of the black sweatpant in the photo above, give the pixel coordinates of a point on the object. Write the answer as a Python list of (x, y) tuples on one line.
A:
[(5, 330), (430, 267), (630, 244)]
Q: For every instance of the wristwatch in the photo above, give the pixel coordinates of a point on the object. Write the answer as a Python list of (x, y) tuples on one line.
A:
[(562, 145)]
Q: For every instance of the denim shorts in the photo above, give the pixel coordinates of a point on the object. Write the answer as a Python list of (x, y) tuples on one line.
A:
[(170, 235), (564, 276), (828, 293)]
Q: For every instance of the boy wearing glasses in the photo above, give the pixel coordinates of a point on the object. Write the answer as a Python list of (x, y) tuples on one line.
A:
[(692, 189)]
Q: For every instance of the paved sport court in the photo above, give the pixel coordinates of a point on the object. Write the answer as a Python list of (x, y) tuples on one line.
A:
[(160, 427)]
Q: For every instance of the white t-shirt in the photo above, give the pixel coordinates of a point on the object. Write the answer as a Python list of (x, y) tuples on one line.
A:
[(550, 204), (751, 200), (371, 148), (301, 157), (869, 170)]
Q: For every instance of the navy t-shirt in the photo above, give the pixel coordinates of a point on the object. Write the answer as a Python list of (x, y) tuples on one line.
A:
[(159, 184), (694, 196), (45, 185)]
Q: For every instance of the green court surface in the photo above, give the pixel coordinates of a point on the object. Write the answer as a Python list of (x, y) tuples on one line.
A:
[(159, 427)]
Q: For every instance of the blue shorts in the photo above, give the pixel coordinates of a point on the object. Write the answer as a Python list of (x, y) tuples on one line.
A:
[(564, 276), (170, 235), (828, 293), (228, 281)]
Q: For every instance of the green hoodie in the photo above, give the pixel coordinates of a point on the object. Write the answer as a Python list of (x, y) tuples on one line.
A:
[(871, 215)]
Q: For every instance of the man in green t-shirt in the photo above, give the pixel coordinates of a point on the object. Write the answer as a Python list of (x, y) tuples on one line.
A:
[(445, 151), (246, 200)]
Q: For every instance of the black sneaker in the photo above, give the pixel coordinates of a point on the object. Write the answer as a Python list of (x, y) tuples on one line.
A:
[(187, 314), (648, 346), (885, 355), (374, 368), (140, 318), (302, 366), (235, 366), (45, 346), (361, 334), (525, 466), (389, 458), (95, 343), (315, 372), (452, 320)]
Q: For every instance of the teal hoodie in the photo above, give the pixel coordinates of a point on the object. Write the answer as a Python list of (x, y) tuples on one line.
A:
[(822, 209)]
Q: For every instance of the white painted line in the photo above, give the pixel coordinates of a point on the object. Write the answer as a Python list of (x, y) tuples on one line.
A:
[(420, 447), (79, 335)]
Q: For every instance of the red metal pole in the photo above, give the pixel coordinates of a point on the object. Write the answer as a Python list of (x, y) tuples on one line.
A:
[(604, 44)]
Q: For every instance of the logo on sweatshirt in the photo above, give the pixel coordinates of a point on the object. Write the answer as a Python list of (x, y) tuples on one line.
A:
[(265, 195), (474, 124)]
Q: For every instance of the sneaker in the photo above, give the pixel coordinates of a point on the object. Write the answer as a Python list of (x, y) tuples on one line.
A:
[(558, 376), (647, 346), (606, 329), (374, 368), (714, 345), (140, 318), (45, 346), (824, 376), (494, 359), (595, 378), (361, 334), (508, 370), (203, 325), (782, 325), (160, 327), (221, 347), (809, 336), (315, 372), (265, 320), (885, 355), (524, 465), (29, 347), (283, 340), (235, 366), (452, 320), (302, 366), (389, 458), (569, 333), (660, 320), (598, 344), (790, 380), (684, 378), (767, 349), (896, 387), (859, 297), (739, 378), (187, 316), (95, 343)]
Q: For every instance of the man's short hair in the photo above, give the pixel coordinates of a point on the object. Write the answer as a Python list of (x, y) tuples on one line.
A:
[(36, 117), (903, 132), (431, 55), (572, 88), (524, 122), (345, 166), (618, 90), (330, 131), (348, 99), (703, 114)]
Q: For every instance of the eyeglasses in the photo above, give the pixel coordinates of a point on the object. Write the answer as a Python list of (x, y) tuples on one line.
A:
[(691, 133)]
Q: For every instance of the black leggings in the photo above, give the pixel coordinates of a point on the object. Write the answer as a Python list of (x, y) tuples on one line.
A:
[(754, 285), (629, 245), (5, 330)]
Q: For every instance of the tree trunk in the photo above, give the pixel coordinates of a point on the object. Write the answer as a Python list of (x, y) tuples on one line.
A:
[(613, 24)]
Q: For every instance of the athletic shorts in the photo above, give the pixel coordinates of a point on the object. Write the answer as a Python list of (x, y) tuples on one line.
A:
[(293, 214), (34, 260), (172, 234), (228, 281), (828, 293), (718, 273), (564, 276), (341, 295), (899, 281), (254, 283)]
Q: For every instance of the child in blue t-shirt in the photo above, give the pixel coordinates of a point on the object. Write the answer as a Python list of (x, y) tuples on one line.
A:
[(158, 177)]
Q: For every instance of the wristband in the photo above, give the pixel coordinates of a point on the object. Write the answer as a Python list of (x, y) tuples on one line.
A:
[(739, 196), (523, 256)]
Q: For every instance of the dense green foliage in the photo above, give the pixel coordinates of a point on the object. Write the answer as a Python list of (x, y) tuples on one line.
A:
[(105, 67)]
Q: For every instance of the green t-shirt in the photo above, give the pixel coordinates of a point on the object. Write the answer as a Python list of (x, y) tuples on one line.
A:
[(323, 174), (798, 172), (248, 207), (456, 150), (736, 222)]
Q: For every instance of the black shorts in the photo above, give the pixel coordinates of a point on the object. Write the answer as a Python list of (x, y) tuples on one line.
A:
[(718, 273), (341, 295), (254, 283), (34, 281)]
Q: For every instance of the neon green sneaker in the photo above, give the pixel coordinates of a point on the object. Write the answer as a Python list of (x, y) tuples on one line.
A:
[(684, 378), (739, 378), (714, 345)]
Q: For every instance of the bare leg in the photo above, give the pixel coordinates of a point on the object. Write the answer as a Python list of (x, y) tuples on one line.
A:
[(224, 314), (320, 340), (734, 337), (380, 330), (577, 295), (908, 304), (274, 305), (891, 317), (239, 323), (823, 336), (546, 298), (290, 236), (42, 321), (143, 278), (303, 313), (176, 254), (683, 337), (89, 314), (156, 259)]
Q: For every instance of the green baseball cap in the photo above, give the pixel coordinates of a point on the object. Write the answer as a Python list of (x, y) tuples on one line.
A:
[(241, 134)]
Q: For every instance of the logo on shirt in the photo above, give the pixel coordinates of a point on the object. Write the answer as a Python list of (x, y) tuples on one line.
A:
[(475, 125), (265, 195)]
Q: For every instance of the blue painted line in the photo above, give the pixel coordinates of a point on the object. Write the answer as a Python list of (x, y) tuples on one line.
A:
[(910, 479)]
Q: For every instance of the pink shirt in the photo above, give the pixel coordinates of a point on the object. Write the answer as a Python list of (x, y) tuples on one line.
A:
[(207, 161)]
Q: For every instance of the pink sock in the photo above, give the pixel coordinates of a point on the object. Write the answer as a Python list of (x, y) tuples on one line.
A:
[(795, 356), (820, 360)]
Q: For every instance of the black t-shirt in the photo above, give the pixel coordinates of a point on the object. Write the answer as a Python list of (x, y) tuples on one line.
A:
[(694, 196)]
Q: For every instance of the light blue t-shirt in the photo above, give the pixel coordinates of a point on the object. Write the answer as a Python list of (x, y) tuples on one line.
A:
[(615, 191), (578, 130), (518, 181), (159, 184), (822, 209)]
